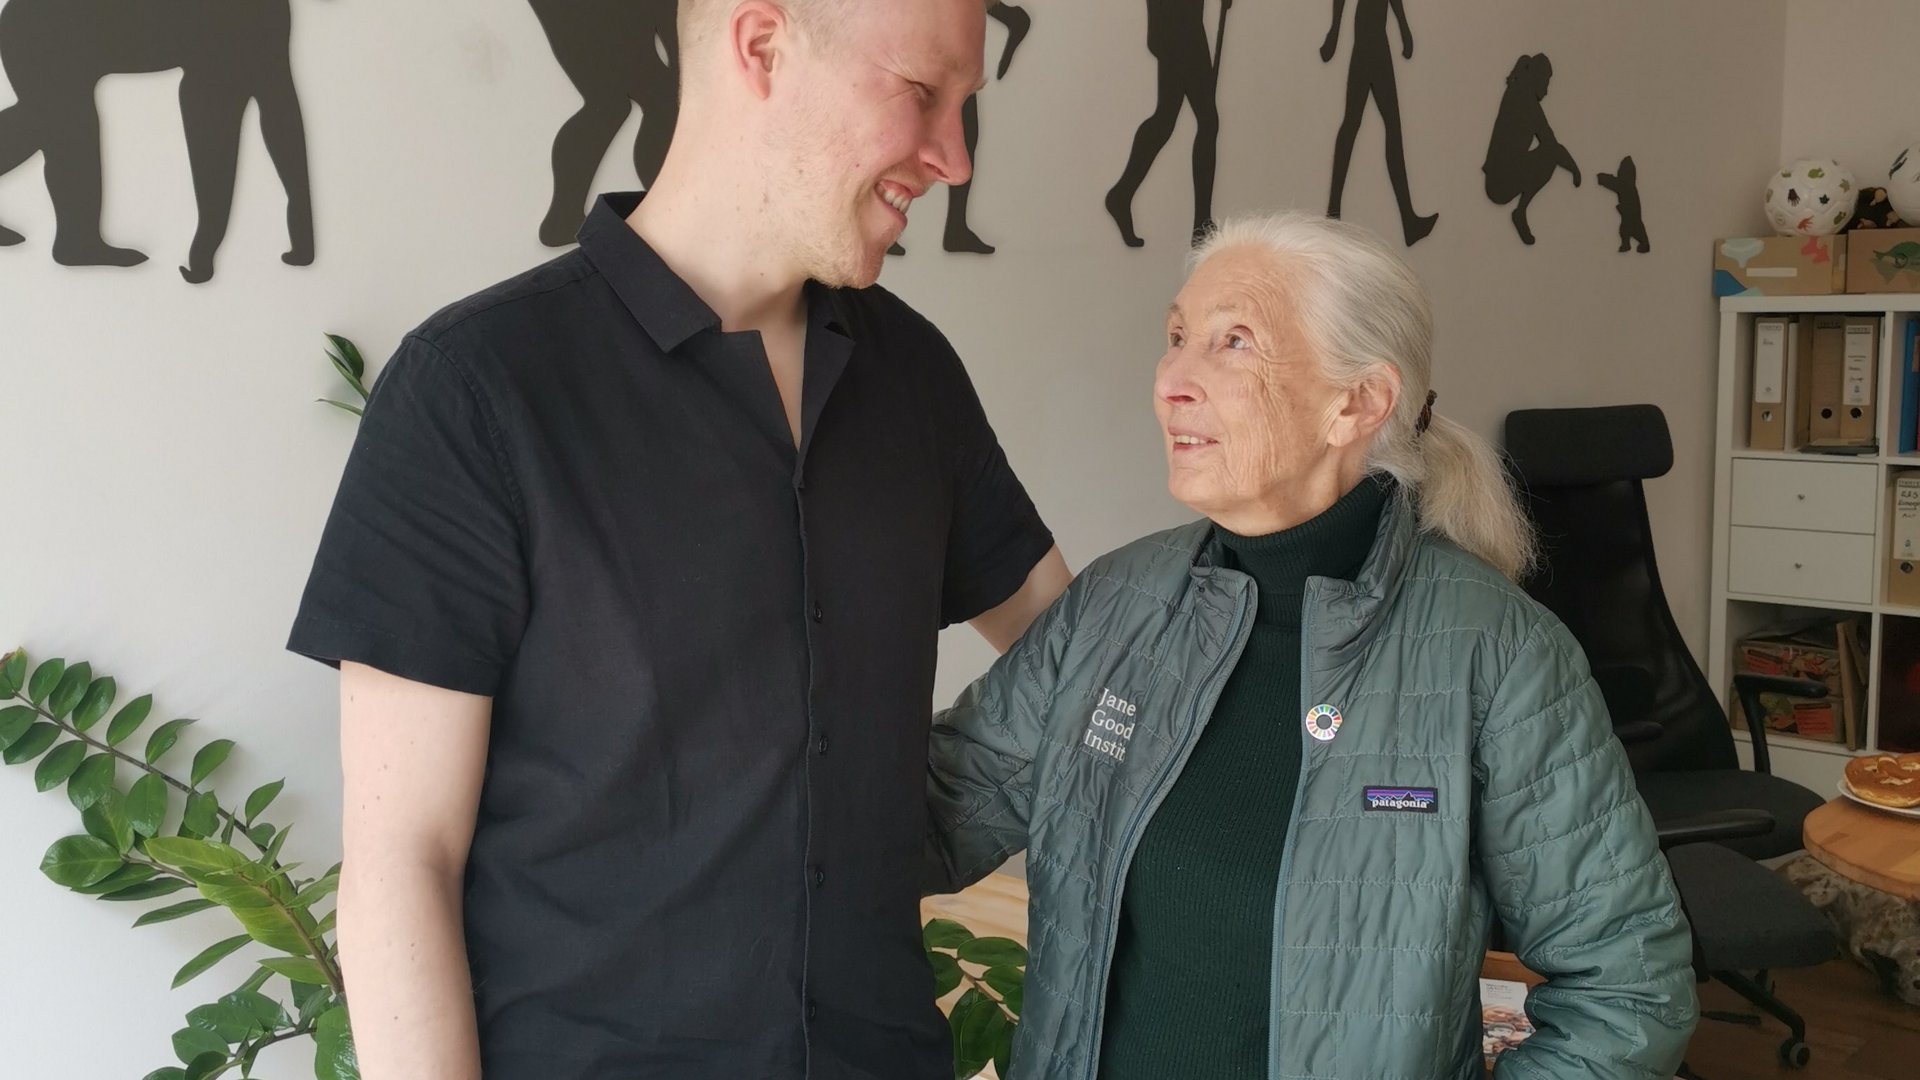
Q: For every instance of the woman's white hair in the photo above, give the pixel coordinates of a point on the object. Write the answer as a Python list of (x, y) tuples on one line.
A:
[(1360, 307)]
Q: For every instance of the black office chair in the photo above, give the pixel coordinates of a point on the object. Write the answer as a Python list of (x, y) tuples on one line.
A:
[(1580, 473)]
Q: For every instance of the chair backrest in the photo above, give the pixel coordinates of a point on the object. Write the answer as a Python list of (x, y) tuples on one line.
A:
[(1580, 473)]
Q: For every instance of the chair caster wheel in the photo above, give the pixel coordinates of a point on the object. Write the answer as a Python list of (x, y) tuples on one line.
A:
[(1794, 1054)]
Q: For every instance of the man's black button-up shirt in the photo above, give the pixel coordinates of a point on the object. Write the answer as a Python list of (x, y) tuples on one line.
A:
[(575, 494)]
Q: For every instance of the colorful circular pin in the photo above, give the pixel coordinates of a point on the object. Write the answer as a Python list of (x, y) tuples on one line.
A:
[(1323, 722)]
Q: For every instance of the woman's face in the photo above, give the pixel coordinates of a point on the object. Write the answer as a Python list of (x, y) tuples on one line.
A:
[(1256, 438)]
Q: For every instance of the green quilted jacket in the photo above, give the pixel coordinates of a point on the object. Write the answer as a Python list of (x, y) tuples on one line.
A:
[(1472, 774)]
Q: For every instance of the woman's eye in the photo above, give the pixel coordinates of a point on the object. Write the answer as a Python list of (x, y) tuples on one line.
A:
[(923, 92), (1238, 341), (1176, 339)]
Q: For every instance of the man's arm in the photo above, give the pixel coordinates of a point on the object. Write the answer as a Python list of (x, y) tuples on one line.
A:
[(412, 756), (1003, 625)]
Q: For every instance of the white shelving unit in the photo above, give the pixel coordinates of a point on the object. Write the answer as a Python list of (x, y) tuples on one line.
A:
[(1803, 533)]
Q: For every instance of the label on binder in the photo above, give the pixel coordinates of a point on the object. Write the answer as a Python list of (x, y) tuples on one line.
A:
[(1857, 385), (1769, 361)]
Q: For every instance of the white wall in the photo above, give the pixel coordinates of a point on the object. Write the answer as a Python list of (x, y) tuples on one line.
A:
[(170, 474), (1843, 97)]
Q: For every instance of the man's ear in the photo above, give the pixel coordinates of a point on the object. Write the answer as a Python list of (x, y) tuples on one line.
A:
[(1366, 407), (756, 33)]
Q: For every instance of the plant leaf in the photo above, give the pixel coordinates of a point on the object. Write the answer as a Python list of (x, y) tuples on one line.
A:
[(147, 805), (73, 685), (31, 744), (169, 1073), (299, 970), (92, 780), (126, 877), (254, 981), (107, 819), (54, 769), (946, 973), (149, 890), (189, 1043), (994, 952), (946, 934), (163, 739), (262, 798), (273, 850), (78, 861), (1010, 983), (261, 835), (128, 719), (206, 1065), (350, 353), (969, 1020), (14, 722), (94, 703), (45, 678), (176, 911), (333, 1055), (230, 1022), (13, 673), (202, 815), (313, 893), (266, 1014), (326, 924), (354, 409), (209, 758), (195, 858), (264, 916), (208, 957), (310, 999)]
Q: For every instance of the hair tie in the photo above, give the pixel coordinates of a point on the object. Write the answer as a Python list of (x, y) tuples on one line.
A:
[(1426, 413)]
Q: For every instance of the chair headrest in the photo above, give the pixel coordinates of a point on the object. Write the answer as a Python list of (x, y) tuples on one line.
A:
[(1580, 447)]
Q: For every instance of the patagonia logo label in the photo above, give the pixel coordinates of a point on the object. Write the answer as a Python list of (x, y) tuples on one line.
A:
[(1110, 728), (1409, 800)]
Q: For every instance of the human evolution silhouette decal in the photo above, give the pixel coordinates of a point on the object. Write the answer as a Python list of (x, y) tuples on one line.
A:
[(229, 54), (620, 55)]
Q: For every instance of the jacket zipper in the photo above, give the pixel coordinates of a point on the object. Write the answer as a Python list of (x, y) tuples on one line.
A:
[(1209, 694), (1293, 820)]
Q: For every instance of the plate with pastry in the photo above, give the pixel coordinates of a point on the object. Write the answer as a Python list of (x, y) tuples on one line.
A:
[(1888, 782)]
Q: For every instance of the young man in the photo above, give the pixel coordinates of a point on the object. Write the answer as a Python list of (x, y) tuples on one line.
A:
[(634, 579)]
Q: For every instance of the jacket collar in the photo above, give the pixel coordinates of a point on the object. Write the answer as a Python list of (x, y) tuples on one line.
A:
[(1344, 615)]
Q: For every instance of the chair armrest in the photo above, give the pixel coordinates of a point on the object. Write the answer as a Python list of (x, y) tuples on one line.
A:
[(1637, 731), (1749, 688), (1719, 825)]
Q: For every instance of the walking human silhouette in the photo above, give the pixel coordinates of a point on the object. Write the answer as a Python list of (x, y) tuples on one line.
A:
[(960, 236), (229, 54), (1370, 76), (1523, 153), (1189, 74), (618, 54), (1624, 182)]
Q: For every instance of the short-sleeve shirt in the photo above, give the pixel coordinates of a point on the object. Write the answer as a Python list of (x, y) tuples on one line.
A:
[(710, 654)]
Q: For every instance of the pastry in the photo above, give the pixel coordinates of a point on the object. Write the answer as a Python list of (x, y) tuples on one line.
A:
[(1886, 780)]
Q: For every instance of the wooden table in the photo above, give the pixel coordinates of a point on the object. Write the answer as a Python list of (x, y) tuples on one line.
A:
[(1880, 851)]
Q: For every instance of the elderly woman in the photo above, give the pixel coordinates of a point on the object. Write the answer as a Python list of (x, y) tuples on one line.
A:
[(1278, 771)]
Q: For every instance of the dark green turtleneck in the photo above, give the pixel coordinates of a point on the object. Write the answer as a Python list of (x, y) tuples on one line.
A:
[(1189, 991)]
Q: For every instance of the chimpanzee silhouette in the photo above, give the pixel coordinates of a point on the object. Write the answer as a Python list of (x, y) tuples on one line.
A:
[(229, 52)]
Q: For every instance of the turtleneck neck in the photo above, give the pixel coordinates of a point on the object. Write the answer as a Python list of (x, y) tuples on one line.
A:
[(1334, 544)]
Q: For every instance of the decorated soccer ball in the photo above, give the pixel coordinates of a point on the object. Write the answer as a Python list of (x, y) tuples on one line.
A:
[(1903, 185), (1811, 197)]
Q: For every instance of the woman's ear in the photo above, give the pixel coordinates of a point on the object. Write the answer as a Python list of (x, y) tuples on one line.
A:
[(1366, 407)]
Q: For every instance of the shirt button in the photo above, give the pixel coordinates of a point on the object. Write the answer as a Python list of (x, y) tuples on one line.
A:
[(816, 613), (823, 744), (819, 877)]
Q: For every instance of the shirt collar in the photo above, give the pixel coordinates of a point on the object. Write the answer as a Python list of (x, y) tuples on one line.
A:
[(665, 306)]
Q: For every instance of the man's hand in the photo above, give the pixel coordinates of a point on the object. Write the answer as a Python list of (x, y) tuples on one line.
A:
[(1003, 625), (412, 757)]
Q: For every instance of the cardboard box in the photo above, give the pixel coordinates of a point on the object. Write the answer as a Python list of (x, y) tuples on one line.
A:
[(1780, 266), (1883, 261), (1832, 651)]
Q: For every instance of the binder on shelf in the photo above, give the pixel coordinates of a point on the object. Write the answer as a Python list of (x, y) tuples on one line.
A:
[(1909, 359), (1825, 382), (1767, 420), (1859, 361), (1903, 541), (1799, 367)]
